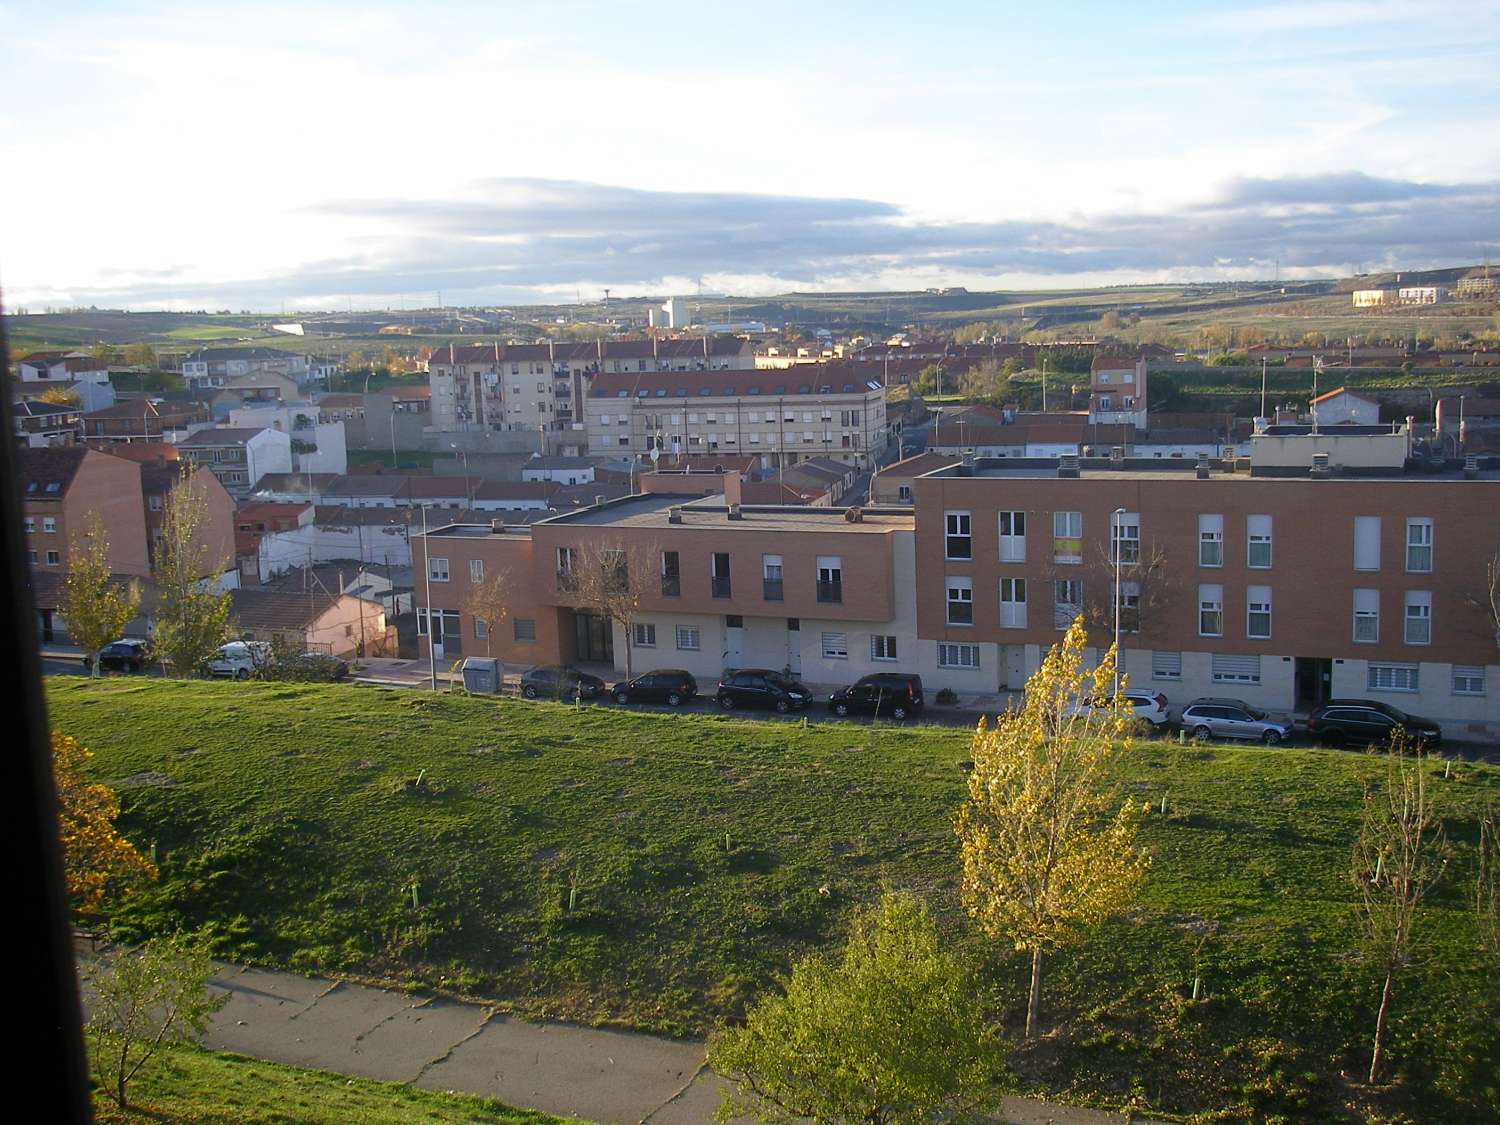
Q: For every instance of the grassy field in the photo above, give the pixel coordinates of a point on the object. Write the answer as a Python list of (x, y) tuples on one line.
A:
[(438, 840), (187, 1086)]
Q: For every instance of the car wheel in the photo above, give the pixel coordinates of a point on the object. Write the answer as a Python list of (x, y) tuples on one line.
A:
[(898, 712), (621, 698), (529, 691), (1202, 733), (782, 706), (1270, 738), (674, 700), (841, 709), (242, 673), (726, 702)]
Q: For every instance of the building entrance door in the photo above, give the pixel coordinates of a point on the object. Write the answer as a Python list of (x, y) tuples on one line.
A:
[(1012, 667), (594, 638), (1314, 681), (794, 646)]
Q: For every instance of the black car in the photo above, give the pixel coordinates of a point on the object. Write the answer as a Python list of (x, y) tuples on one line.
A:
[(760, 687), (897, 695), (123, 656), (671, 686), (1368, 721), (554, 681)]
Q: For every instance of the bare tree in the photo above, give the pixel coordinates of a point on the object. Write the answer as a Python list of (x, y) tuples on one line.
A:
[(612, 578), (1400, 854), (489, 602), (1488, 601), (1487, 882)]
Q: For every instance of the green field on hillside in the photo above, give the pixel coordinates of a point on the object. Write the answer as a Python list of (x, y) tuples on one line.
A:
[(658, 871), (187, 1086)]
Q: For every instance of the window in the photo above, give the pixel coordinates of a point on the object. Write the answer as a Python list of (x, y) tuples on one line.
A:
[(830, 579), (960, 601), (1226, 669), (476, 570), (1468, 680), (1166, 665), (835, 646), (1258, 613), (437, 570), (1419, 546), (1013, 603), (30, 524), (1392, 677), (524, 628), (1258, 549), (688, 638), (481, 630), (671, 575), (1210, 611), (1210, 540), (958, 656), (1366, 542), (49, 524), (771, 578), (566, 579), (1418, 617), (53, 558), (903, 493), (958, 543), (645, 634), (882, 647), (1012, 536), (1125, 538), (1130, 607), (718, 571), (1067, 602), (1366, 616)]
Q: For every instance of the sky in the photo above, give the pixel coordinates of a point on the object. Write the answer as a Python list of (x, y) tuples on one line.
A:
[(330, 155)]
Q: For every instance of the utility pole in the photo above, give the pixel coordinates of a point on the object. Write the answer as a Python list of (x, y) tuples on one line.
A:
[(1118, 514), (427, 566)]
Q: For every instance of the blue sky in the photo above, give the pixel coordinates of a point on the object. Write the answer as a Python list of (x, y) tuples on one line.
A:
[(320, 155)]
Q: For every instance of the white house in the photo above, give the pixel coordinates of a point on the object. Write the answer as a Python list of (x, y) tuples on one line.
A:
[(563, 470), (317, 447), (1342, 407), (238, 457), (62, 367)]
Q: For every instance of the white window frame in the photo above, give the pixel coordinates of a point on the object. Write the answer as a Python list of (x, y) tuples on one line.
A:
[(1166, 665), (1417, 612), (1067, 538), (476, 570), (1125, 538), (1367, 544), (1258, 534), (959, 591), (437, 569), (1012, 542), (1385, 676), (1226, 668), (958, 525), (835, 646), (1211, 541), (882, 646), (1012, 603), (1210, 601), (643, 634), (49, 524), (1367, 612), (1258, 604), (693, 635), (1468, 681), (953, 654), (1419, 545), (1070, 608), (481, 629)]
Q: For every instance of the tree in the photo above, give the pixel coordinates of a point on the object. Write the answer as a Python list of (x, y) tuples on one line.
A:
[(1043, 859), (1487, 882), (157, 994), (60, 396), (192, 617), (95, 606), (611, 578), (1488, 601), (1110, 321), (94, 852), (140, 355), (489, 602), (892, 1033), (985, 381), (1399, 855)]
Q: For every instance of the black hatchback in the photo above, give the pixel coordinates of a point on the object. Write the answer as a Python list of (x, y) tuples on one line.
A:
[(1368, 721), (760, 687), (896, 695), (124, 656), (554, 681), (671, 686)]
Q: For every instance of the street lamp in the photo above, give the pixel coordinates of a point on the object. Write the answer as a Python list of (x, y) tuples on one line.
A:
[(468, 491), (1115, 520)]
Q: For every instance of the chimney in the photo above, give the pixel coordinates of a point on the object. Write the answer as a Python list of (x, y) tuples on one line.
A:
[(674, 514), (1471, 466), (599, 501), (497, 527), (734, 512), (854, 515), (1320, 468), (1202, 472), (1068, 466)]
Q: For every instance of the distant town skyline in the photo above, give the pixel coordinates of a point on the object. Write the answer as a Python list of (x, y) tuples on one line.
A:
[(330, 154)]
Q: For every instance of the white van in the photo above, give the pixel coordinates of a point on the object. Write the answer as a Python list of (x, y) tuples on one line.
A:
[(239, 659)]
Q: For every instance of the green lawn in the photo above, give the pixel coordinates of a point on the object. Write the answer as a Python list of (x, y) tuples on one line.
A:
[(187, 1086), (708, 852)]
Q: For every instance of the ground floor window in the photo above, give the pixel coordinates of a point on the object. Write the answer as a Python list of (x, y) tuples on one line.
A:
[(835, 646), (689, 639), (524, 628), (1468, 681), (1227, 669), (882, 647), (958, 656), (1392, 677), (645, 635), (1166, 665)]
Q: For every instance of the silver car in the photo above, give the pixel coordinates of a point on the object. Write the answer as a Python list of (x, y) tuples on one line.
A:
[(1233, 718)]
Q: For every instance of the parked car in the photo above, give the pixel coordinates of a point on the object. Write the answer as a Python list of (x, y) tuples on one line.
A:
[(239, 659), (894, 694), (1368, 721), (671, 686), (314, 666), (125, 655), (1233, 718), (761, 687), (1149, 707), (555, 681)]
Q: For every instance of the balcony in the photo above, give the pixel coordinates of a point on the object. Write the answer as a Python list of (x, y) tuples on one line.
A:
[(671, 585), (567, 582), (719, 587), (831, 592), (771, 589)]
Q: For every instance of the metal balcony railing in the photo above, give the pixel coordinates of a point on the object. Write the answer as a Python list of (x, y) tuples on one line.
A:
[(772, 589), (831, 591)]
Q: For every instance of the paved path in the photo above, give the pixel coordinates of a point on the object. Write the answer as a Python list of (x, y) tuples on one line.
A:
[(605, 1076)]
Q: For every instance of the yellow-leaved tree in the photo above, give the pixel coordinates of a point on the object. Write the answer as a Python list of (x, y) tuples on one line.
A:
[(1049, 847), (94, 852)]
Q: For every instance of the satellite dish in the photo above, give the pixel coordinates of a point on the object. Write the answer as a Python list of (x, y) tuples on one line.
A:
[(655, 454)]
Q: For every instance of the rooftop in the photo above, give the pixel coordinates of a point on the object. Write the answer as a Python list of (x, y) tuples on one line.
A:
[(1140, 469), (710, 513)]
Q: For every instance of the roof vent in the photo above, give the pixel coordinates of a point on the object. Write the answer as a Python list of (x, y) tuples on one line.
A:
[(1320, 467), (1203, 466), (674, 514), (1067, 466), (1471, 466), (735, 513), (599, 501), (1116, 456), (854, 515), (497, 526)]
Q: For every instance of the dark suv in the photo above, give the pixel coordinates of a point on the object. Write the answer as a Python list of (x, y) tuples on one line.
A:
[(894, 694), (553, 681), (671, 686), (1366, 721), (123, 656), (760, 687)]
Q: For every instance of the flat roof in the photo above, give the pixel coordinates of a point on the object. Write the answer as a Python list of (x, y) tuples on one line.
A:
[(1186, 468), (711, 512)]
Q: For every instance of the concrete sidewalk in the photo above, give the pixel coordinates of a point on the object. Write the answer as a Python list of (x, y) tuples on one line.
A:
[(605, 1076)]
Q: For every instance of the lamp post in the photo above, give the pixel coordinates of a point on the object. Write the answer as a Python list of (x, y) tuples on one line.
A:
[(468, 492), (1115, 520)]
